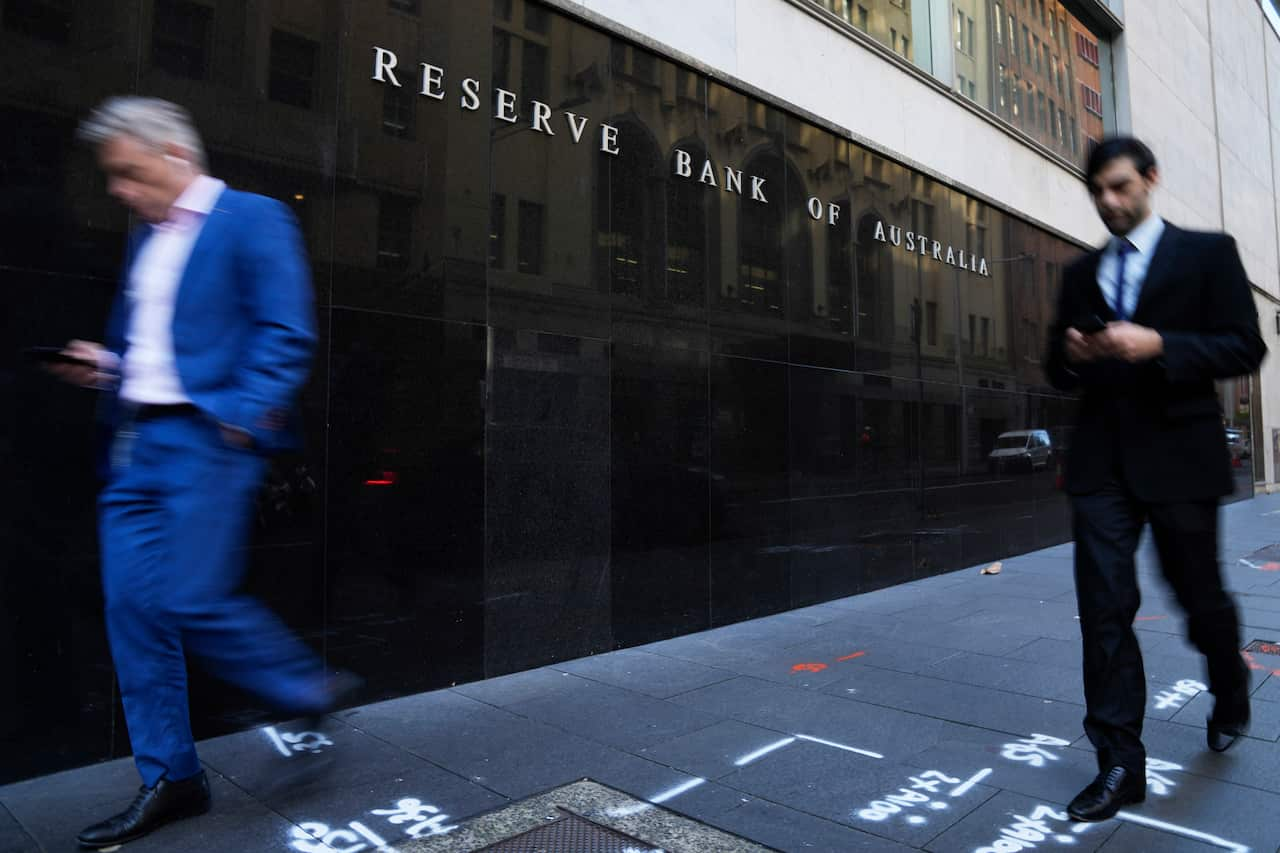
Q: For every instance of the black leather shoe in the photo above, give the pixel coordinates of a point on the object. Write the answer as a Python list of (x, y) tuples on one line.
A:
[(151, 809), (1105, 795), (1225, 727)]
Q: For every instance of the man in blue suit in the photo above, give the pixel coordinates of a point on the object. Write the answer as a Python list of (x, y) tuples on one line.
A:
[(208, 345)]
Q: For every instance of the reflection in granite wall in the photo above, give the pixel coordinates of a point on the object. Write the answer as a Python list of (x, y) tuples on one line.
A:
[(610, 351)]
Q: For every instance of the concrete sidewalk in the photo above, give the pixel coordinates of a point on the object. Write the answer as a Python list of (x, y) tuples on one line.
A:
[(941, 715)]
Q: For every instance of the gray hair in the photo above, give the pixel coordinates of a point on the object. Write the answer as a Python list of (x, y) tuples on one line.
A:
[(153, 121)]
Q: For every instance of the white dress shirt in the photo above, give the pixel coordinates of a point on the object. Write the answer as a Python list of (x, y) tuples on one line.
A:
[(1144, 238), (148, 374)]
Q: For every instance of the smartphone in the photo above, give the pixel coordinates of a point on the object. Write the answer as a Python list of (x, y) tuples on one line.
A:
[(54, 355), (1090, 325)]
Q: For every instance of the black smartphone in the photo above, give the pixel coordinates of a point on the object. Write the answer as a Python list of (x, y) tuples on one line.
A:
[(54, 355), (1090, 325)]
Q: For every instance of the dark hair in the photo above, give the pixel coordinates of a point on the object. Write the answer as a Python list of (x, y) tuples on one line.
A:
[(1115, 147)]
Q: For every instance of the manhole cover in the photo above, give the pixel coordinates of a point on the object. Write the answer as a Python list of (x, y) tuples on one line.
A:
[(572, 833), (1264, 647)]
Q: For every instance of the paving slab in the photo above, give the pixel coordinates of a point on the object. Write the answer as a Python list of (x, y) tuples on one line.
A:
[(879, 797), (54, 809), (13, 838), (654, 675), (961, 703), (1012, 817)]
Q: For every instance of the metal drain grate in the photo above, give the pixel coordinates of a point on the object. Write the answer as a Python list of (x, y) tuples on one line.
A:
[(570, 833), (1264, 647)]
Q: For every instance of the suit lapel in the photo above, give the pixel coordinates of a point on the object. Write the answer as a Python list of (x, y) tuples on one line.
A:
[(1163, 263), (1097, 302), (207, 241)]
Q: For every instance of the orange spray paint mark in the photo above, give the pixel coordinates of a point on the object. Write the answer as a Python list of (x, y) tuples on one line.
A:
[(850, 657), (809, 667)]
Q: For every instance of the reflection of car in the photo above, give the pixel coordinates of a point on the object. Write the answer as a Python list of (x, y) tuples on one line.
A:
[(1025, 449), (1238, 443)]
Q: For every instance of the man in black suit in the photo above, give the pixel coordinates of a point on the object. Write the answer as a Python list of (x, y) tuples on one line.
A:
[(1144, 327)]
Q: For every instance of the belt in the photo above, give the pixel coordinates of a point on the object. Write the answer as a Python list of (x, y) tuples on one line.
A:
[(151, 411)]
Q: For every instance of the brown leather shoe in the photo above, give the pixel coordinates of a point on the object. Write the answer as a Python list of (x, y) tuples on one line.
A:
[(151, 809)]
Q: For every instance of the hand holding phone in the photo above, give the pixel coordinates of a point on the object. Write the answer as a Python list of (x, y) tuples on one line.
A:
[(77, 363)]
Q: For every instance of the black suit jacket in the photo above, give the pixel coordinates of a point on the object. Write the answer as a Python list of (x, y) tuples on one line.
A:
[(1158, 425)]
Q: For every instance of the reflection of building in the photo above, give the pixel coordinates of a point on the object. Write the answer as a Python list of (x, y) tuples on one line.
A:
[(1085, 64), (1037, 72)]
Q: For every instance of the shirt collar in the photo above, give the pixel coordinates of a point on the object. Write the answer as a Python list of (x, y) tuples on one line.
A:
[(1144, 237), (196, 200)]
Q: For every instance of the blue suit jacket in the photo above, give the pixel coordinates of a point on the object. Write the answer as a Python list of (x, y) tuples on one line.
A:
[(243, 322)]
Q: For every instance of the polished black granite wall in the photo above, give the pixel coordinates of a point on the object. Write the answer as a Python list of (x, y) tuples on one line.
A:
[(565, 400)]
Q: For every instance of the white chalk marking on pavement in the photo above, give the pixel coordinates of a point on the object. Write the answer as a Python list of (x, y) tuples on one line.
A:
[(1184, 831), (865, 752), (763, 751), (967, 785), (678, 790), (278, 741), (669, 794), (1249, 564)]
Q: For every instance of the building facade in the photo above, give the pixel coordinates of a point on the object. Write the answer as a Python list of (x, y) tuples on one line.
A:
[(637, 318)]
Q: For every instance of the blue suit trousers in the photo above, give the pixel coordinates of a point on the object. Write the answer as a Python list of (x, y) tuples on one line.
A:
[(174, 523)]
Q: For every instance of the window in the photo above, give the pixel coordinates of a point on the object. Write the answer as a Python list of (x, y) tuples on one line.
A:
[(1044, 114), (1091, 99), (397, 112), (1087, 48), (999, 29), (1053, 119), (1017, 96), (906, 47), (534, 72), (1075, 139), (180, 38), (1062, 126), (1044, 18), (395, 232), (1039, 54), (1026, 44), (972, 38), (893, 39), (502, 59), (862, 18), (293, 69), (959, 30), (536, 19), (497, 231), (530, 238), (931, 323), (1003, 88), (960, 86), (973, 91)]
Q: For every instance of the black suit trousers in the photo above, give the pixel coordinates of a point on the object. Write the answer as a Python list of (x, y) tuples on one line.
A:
[(1108, 524)]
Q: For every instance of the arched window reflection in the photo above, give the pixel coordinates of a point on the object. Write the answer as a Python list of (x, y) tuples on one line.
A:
[(630, 214), (687, 234), (875, 293), (761, 282), (838, 316)]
